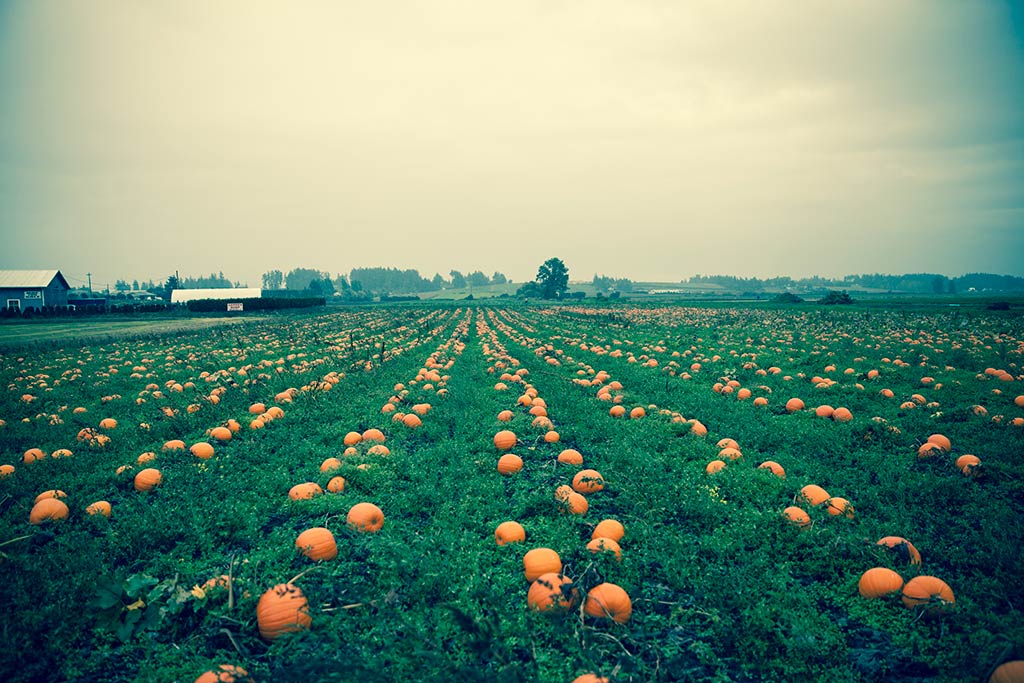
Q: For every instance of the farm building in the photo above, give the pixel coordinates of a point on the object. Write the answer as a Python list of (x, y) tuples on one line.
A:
[(25, 289), (181, 296)]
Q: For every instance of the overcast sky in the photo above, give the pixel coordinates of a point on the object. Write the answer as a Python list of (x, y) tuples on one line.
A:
[(642, 138)]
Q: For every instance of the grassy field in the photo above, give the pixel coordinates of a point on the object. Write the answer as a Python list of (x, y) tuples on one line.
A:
[(722, 584), (22, 332)]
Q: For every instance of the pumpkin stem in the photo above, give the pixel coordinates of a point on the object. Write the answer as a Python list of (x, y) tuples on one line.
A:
[(232, 639)]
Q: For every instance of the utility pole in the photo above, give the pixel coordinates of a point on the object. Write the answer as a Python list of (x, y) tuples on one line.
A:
[(90, 282)]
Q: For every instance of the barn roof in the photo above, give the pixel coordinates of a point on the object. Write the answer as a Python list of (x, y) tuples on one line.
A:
[(30, 278)]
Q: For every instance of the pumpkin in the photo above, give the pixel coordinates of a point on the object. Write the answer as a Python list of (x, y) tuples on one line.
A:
[(61, 453), (637, 413), (608, 601), (715, 466), (931, 594), (257, 409), (225, 673), (929, 450), (47, 509), (617, 411), (729, 454), (373, 434), (336, 484), (352, 438), (378, 449), (797, 516), (504, 440), (509, 464), (305, 491), (773, 467), (6, 471), (591, 677), (100, 507), (552, 436), (824, 411), (52, 493), (173, 445), (840, 506), (794, 405), (108, 423), (202, 450), (573, 503), (902, 547), (330, 464), (540, 561), (813, 495), (365, 517), (605, 545), (728, 443), (505, 416), (221, 434), (33, 454), (412, 421), (148, 456), (609, 528), (842, 415), (941, 441), (879, 581), (148, 479), (570, 456), (552, 593), (282, 609), (317, 544), (509, 532), (968, 464), (588, 481), (1008, 672)]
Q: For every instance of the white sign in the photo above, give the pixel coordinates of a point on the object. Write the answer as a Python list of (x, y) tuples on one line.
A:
[(33, 295), (236, 306)]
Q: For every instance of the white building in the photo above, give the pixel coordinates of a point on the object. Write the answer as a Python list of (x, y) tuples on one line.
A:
[(181, 296)]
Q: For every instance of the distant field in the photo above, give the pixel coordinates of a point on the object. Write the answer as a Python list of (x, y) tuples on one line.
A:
[(34, 331)]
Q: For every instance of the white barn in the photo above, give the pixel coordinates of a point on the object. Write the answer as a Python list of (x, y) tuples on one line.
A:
[(181, 296)]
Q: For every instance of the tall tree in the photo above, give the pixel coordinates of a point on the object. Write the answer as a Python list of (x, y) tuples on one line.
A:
[(273, 280), (458, 279), (437, 281), (477, 279), (553, 278), (498, 278)]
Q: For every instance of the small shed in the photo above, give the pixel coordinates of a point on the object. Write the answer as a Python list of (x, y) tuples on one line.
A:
[(181, 296), (25, 289)]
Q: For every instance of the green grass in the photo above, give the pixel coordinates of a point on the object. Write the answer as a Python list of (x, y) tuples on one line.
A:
[(723, 587)]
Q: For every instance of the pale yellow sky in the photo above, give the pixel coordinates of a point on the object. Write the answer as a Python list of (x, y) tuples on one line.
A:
[(646, 139)]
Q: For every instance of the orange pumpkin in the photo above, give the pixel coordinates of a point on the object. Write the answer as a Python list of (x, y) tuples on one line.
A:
[(813, 495), (605, 545), (840, 506), (505, 440), (794, 405), (221, 434), (509, 532), (352, 438), (573, 503), (6, 470), (330, 464), (1008, 672), (842, 415), (100, 507), (509, 464), (552, 593), (879, 581), (540, 561), (609, 601), (173, 445), (305, 491), (588, 481), (941, 441), (48, 509), (902, 547), (336, 484), (797, 516), (373, 434), (714, 466), (609, 528), (930, 594), (570, 456), (365, 517), (282, 609), (52, 493), (317, 544), (968, 464), (505, 416), (202, 450), (591, 677), (225, 673), (148, 479), (773, 467)]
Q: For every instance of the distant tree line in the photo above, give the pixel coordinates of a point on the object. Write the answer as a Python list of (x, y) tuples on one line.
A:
[(916, 283), (378, 281)]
